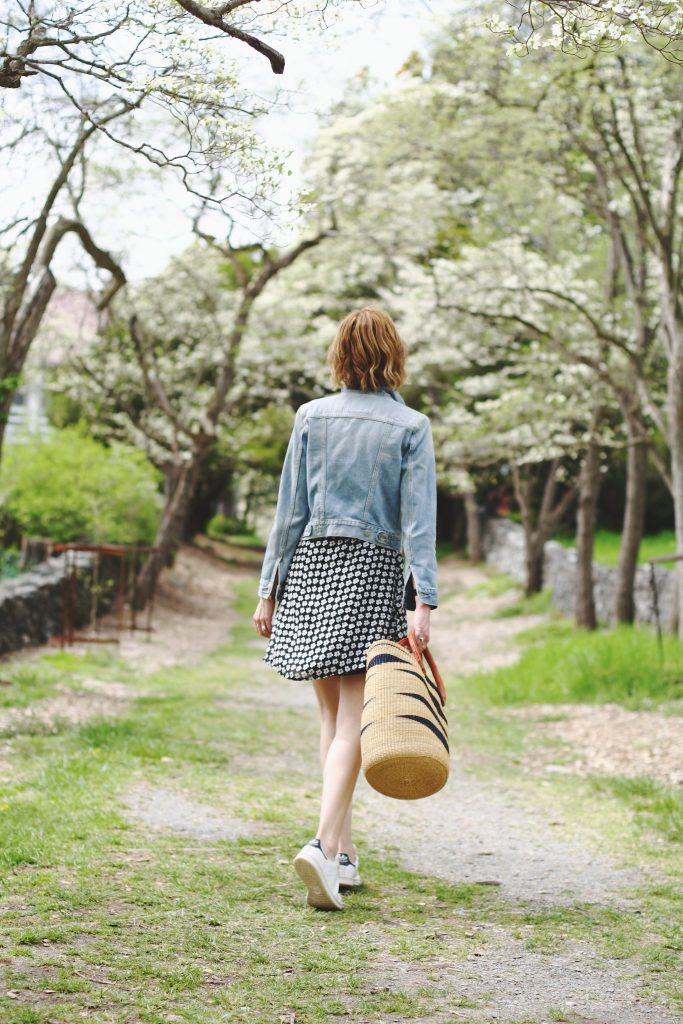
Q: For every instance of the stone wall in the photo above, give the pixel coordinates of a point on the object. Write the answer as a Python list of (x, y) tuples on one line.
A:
[(503, 543), (31, 605)]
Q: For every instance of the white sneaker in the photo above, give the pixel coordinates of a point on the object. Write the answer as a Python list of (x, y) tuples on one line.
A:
[(319, 875), (348, 872)]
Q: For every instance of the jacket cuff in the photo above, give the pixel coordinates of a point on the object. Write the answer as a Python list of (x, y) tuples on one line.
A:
[(266, 587), (429, 597)]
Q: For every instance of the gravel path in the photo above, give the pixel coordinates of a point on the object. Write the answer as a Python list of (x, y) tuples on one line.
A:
[(473, 831), (479, 832)]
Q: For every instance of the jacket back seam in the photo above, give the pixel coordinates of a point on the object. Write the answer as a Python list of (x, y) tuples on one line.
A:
[(412, 427), (375, 469)]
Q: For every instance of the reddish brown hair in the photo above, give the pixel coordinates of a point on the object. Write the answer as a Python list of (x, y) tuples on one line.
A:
[(367, 353)]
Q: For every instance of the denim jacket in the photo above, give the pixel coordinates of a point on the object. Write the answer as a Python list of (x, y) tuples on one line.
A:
[(359, 464)]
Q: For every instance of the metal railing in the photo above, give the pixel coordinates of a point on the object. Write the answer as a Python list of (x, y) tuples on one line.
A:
[(78, 557)]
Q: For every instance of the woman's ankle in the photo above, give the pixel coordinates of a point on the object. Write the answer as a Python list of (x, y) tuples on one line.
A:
[(349, 849), (328, 848)]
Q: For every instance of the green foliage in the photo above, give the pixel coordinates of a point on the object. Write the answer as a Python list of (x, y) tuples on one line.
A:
[(226, 526), (608, 543), (8, 386), (70, 487), (620, 665), (9, 563)]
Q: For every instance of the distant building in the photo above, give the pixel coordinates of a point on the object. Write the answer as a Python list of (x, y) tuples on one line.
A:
[(27, 415), (69, 324)]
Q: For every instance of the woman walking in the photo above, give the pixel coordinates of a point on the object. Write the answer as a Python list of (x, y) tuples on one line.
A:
[(352, 546)]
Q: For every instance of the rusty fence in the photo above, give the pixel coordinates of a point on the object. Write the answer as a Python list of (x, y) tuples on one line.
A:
[(109, 602)]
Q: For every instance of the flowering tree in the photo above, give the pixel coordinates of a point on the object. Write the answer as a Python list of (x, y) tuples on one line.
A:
[(508, 226), (141, 80), (591, 25), (163, 370), (110, 42)]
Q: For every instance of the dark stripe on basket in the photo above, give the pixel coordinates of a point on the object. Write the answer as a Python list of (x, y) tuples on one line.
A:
[(366, 726), (425, 679), (430, 725), (368, 701), (443, 730), (382, 659), (437, 704), (432, 686), (412, 672), (433, 707)]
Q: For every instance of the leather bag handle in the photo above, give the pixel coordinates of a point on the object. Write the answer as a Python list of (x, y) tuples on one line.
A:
[(411, 643)]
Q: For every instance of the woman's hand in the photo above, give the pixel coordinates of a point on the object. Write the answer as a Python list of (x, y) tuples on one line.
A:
[(421, 623), (263, 616)]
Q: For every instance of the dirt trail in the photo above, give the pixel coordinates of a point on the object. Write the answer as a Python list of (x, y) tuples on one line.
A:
[(474, 831), (479, 832)]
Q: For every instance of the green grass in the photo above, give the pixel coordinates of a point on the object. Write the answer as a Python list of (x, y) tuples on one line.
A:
[(553, 628), (23, 682), (536, 604), (621, 665), (607, 544), (497, 583), (245, 540), (656, 805), (103, 919)]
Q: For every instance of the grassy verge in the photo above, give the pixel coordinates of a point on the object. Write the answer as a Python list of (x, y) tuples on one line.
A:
[(23, 682), (107, 919), (608, 543), (621, 665), (535, 604)]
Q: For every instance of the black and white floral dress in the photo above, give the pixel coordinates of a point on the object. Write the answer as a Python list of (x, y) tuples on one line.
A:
[(340, 595)]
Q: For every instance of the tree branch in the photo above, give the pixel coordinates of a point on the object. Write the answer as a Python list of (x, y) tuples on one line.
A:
[(214, 17), (101, 258)]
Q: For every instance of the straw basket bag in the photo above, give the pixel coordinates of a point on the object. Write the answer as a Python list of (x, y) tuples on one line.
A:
[(404, 730)]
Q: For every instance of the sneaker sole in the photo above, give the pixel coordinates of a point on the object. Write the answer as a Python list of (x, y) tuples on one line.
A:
[(318, 894), (349, 885)]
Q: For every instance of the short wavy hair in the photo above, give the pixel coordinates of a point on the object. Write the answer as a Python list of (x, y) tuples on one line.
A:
[(367, 353)]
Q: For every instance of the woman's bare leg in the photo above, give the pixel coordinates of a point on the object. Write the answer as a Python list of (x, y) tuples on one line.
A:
[(342, 765), (327, 693)]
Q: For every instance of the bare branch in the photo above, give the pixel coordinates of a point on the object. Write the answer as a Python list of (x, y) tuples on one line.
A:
[(212, 16)]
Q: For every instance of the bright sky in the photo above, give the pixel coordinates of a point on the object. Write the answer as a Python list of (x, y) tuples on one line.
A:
[(318, 68)]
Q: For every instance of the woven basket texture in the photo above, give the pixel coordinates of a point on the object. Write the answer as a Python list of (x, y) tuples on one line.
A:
[(404, 730)]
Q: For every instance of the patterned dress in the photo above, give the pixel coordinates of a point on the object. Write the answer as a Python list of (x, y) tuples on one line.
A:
[(340, 595)]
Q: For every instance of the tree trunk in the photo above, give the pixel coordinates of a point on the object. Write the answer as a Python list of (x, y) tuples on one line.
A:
[(5, 406), (535, 550), (675, 410), (589, 490), (180, 490), (634, 518), (474, 552), (549, 517)]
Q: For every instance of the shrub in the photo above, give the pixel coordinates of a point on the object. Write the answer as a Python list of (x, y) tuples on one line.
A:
[(226, 526), (9, 563), (70, 487)]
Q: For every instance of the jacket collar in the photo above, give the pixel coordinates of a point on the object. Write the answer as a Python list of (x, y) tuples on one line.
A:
[(383, 391)]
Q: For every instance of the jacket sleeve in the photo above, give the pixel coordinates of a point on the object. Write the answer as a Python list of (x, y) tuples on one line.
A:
[(291, 514), (418, 517)]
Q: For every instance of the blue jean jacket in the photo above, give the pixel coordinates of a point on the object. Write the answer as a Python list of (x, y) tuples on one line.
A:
[(359, 464)]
